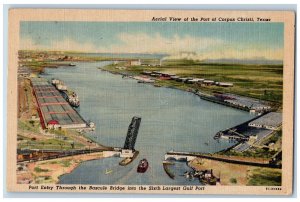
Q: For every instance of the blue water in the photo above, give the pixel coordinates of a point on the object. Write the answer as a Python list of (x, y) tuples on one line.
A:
[(171, 120)]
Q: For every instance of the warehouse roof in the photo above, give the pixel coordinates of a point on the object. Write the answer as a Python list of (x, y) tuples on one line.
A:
[(273, 119)]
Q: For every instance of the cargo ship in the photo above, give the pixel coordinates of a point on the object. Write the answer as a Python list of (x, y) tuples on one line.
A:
[(72, 64), (59, 85), (143, 166), (69, 96)]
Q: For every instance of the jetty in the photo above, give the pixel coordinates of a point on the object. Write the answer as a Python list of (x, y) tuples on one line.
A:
[(188, 156)]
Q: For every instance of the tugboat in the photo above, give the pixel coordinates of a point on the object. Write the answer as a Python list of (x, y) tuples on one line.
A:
[(143, 166), (73, 99)]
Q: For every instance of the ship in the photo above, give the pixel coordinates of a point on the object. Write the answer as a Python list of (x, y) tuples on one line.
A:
[(71, 97), (143, 166), (72, 64), (59, 85)]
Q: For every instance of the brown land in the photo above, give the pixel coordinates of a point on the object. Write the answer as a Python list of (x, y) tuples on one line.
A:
[(49, 171), (27, 106)]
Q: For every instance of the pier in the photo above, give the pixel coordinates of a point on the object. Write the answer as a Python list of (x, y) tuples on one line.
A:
[(188, 156), (54, 111), (237, 101)]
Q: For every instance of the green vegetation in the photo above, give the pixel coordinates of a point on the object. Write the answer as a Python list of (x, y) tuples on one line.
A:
[(43, 179), (259, 81), (57, 132), (47, 144), (233, 180), (254, 152), (39, 170), (264, 177), (60, 139), (66, 163), (275, 137), (28, 126)]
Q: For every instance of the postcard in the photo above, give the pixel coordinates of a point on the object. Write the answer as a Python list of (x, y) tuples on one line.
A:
[(150, 101)]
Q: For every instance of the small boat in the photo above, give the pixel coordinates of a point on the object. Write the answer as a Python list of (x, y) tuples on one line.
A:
[(108, 172), (72, 64), (143, 166)]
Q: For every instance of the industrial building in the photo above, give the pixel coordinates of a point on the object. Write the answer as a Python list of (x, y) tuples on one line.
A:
[(135, 62), (224, 84), (246, 102), (208, 82), (271, 121), (54, 111)]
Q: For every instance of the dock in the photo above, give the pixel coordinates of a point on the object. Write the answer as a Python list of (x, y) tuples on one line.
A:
[(251, 105), (188, 156), (54, 111)]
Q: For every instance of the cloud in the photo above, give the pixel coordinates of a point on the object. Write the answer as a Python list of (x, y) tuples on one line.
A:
[(177, 47), (144, 43), (65, 44), (130, 43), (232, 53), (69, 44)]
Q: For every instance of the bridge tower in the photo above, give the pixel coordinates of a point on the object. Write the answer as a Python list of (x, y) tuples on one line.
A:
[(132, 133)]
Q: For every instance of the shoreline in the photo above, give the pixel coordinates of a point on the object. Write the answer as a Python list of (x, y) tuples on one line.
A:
[(204, 95), (76, 164), (50, 171), (236, 174), (36, 172), (188, 90)]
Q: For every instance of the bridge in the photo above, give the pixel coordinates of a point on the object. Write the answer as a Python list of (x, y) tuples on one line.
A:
[(179, 157), (132, 133), (128, 152)]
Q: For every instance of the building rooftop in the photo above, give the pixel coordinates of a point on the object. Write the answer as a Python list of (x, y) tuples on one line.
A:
[(246, 101), (54, 107), (273, 119)]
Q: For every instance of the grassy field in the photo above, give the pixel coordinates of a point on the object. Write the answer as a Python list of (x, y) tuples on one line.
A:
[(30, 137), (264, 177), (259, 81)]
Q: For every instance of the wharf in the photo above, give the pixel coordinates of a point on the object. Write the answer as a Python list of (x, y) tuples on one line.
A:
[(54, 111), (188, 156), (237, 101)]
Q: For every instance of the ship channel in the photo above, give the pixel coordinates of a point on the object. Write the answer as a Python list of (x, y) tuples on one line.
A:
[(171, 120)]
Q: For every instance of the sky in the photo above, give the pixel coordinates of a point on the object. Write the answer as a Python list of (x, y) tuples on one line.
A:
[(192, 40)]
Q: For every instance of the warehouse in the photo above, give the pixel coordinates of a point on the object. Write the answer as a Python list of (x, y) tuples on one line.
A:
[(54, 111), (224, 84), (246, 102), (271, 121)]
